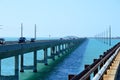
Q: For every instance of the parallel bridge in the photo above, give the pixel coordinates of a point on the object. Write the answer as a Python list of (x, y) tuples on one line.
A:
[(101, 67)]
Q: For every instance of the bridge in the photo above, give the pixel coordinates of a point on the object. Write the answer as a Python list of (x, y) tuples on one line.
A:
[(14, 49), (104, 68)]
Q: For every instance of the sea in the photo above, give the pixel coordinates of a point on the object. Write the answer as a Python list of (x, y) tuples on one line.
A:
[(68, 63)]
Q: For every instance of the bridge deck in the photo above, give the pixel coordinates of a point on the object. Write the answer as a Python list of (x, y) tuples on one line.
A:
[(13, 48), (112, 71)]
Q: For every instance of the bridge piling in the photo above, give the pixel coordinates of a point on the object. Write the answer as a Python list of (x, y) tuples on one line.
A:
[(62, 48), (22, 62), (45, 56), (0, 67), (17, 67), (69, 46), (52, 53), (35, 61), (66, 48), (58, 52)]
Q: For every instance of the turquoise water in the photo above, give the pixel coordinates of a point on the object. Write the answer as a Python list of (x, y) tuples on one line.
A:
[(84, 54), (72, 64)]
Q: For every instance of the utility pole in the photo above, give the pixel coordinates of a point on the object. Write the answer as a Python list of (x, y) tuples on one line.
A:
[(21, 29), (35, 31), (110, 35), (107, 36)]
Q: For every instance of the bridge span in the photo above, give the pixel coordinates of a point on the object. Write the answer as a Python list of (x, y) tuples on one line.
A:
[(14, 49)]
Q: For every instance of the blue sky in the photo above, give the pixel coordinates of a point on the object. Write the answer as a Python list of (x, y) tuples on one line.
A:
[(59, 18)]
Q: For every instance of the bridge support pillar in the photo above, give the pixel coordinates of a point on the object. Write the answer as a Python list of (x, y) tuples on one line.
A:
[(52, 53), (0, 67), (17, 67), (45, 56), (66, 48), (57, 50), (35, 61), (69, 46), (62, 48), (22, 62)]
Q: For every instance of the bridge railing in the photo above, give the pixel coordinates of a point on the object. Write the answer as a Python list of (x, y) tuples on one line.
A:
[(94, 67)]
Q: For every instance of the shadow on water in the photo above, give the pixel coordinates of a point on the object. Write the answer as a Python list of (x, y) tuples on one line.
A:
[(44, 72), (70, 65)]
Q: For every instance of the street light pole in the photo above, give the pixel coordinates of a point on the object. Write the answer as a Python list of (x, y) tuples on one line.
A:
[(21, 29), (35, 32), (109, 35)]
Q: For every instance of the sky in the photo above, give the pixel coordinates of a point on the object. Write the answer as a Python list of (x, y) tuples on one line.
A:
[(59, 18)]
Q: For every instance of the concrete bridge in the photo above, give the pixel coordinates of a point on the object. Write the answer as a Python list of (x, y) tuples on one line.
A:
[(14, 49)]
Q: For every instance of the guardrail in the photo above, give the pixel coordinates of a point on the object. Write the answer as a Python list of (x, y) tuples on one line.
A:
[(94, 67)]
